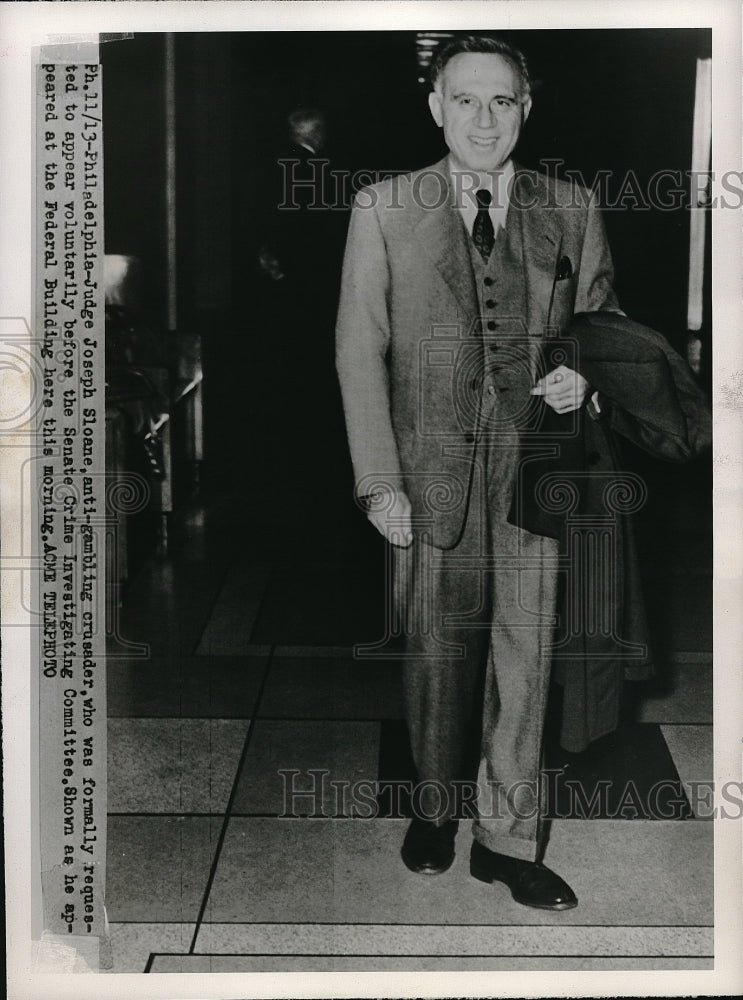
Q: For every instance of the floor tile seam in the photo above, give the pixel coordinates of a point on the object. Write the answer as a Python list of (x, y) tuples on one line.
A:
[(186, 718), (553, 817), (341, 718), (254, 603), (213, 604), (688, 783), (409, 955), (260, 607), (690, 820), (133, 602), (230, 801), (334, 718), (393, 923), (278, 718), (329, 718), (185, 814), (352, 718), (359, 924), (181, 814)]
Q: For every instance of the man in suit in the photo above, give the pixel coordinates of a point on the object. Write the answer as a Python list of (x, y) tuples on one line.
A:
[(454, 278)]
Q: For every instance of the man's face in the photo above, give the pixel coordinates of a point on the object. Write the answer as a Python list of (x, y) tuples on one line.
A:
[(477, 101)]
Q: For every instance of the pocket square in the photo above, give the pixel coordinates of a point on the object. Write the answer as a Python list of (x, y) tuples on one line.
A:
[(564, 269)]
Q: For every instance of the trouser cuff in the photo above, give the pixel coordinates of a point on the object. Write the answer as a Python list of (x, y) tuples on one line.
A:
[(515, 847)]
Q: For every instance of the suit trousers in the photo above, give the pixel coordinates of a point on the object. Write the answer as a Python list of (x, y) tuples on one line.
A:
[(478, 620)]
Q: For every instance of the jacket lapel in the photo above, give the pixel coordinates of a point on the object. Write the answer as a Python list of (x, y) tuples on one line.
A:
[(541, 244), (442, 236), (442, 239)]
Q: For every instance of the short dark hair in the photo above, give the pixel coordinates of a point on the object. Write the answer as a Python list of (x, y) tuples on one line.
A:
[(482, 44)]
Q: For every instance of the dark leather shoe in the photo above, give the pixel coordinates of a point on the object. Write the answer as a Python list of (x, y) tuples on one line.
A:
[(530, 883), (429, 849)]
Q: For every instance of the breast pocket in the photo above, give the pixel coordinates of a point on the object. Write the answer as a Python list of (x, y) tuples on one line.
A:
[(563, 302)]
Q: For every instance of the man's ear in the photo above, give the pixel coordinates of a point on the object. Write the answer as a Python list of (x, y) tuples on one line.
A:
[(527, 108), (434, 103)]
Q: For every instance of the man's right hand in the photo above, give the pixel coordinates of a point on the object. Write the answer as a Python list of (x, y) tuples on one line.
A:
[(389, 512)]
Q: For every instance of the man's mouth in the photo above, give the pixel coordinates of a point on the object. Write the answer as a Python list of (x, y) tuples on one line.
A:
[(479, 140)]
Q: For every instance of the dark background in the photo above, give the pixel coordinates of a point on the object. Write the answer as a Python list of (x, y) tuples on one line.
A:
[(618, 100), (603, 100)]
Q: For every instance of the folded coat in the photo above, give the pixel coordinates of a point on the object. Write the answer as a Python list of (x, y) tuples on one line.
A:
[(570, 487)]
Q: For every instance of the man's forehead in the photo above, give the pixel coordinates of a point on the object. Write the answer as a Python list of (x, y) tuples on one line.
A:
[(480, 69)]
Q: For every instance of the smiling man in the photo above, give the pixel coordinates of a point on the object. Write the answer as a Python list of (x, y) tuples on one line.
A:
[(454, 278)]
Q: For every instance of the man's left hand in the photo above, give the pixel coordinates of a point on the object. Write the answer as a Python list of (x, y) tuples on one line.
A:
[(563, 389)]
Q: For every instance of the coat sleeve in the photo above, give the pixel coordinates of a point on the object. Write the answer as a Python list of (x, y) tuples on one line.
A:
[(595, 290), (362, 342)]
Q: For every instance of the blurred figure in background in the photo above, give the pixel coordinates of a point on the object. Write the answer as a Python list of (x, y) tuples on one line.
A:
[(301, 249)]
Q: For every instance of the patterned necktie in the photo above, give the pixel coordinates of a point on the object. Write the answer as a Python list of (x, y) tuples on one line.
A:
[(483, 233)]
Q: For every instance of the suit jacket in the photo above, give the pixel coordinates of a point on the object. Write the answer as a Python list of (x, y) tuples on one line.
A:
[(408, 288)]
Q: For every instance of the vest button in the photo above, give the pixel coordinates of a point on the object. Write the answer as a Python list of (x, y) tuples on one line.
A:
[(491, 324), (469, 438), (490, 303), (488, 281)]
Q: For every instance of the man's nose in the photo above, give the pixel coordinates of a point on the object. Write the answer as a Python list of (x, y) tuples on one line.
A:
[(486, 117)]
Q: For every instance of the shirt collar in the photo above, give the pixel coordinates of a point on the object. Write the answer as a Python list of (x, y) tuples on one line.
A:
[(497, 182)]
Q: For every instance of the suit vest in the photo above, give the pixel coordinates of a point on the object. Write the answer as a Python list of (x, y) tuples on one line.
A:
[(509, 357)]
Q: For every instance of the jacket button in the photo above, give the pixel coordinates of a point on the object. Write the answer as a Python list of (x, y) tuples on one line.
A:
[(469, 438), (491, 324), (490, 303), (488, 281), (593, 457)]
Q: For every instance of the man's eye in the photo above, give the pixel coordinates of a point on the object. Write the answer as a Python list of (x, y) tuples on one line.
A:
[(465, 100), (504, 102)]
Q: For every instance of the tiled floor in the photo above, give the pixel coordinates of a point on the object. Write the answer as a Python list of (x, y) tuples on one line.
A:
[(251, 677)]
